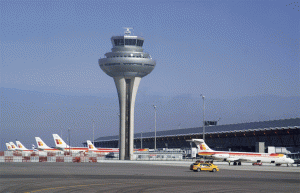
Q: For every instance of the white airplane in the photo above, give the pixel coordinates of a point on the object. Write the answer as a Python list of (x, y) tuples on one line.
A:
[(13, 146), (42, 145), (103, 151), (60, 144), (8, 146), (238, 157), (23, 148), (106, 151)]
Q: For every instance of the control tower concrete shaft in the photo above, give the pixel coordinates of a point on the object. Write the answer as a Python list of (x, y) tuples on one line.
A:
[(127, 64)]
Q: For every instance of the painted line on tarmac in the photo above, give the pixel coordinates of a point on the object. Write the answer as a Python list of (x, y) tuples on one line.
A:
[(61, 187)]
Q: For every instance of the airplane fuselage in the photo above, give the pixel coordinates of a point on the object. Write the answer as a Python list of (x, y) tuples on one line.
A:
[(247, 157), (74, 149)]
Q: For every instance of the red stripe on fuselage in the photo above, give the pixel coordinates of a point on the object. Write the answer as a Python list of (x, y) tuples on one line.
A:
[(51, 150), (77, 148), (104, 151), (241, 154)]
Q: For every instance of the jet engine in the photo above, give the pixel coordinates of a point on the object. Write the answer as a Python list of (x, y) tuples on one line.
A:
[(231, 159)]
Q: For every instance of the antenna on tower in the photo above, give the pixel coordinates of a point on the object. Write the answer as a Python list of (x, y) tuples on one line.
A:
[(127, 32)]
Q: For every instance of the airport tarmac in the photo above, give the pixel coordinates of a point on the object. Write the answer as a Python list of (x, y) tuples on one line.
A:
[(221, 165), (145, 176)]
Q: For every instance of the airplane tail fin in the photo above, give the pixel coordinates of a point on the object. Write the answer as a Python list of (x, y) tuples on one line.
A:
[(21, 146), (201, 145), (13, 146), (90, 145), (8, 146), (59, 142), (40, 143)]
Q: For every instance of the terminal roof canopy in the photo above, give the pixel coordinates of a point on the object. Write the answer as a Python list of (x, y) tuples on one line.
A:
[(294, 122)]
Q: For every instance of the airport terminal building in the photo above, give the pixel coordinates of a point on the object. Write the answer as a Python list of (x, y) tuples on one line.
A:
[(234, 137)]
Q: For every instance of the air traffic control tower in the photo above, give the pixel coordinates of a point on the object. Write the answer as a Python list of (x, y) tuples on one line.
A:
[(127, 64)]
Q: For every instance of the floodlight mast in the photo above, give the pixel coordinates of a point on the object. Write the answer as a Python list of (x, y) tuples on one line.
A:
[(203, 97), (127, 64), (154, 127)]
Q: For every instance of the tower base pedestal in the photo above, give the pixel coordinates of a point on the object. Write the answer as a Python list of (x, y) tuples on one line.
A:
[(127, 88)]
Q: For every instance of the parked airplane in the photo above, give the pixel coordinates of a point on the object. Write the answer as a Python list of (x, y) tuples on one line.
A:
[(60, 144), (238, 157), (42, 145), (8, 146), (103, 151), (106, 150), (23, 148), (13, 146)]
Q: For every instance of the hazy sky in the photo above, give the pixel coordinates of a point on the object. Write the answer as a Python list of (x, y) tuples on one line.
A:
[(222, 49)]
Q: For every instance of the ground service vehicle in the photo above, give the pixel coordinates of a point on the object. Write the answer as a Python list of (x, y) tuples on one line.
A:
[(196, 163), (199, 161), (205, 167), (257, 164)]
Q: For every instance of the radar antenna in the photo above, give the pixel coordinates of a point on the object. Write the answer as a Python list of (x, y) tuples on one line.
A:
[(127, 32)]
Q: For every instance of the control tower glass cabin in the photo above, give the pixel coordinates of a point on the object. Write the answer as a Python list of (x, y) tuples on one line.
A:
[(127, 64)]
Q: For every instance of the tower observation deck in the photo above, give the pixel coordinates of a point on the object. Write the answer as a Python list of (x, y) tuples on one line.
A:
[(127, 64)]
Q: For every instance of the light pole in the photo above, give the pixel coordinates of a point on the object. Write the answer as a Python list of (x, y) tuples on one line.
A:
[(141, 140), (69, 142), (93, 132), (191, 149), (60, 111), (203, 97), (154, 127)]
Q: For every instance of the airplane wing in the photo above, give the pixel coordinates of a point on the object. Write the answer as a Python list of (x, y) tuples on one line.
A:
[(60, 148), (234, 159), (244, 160)]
